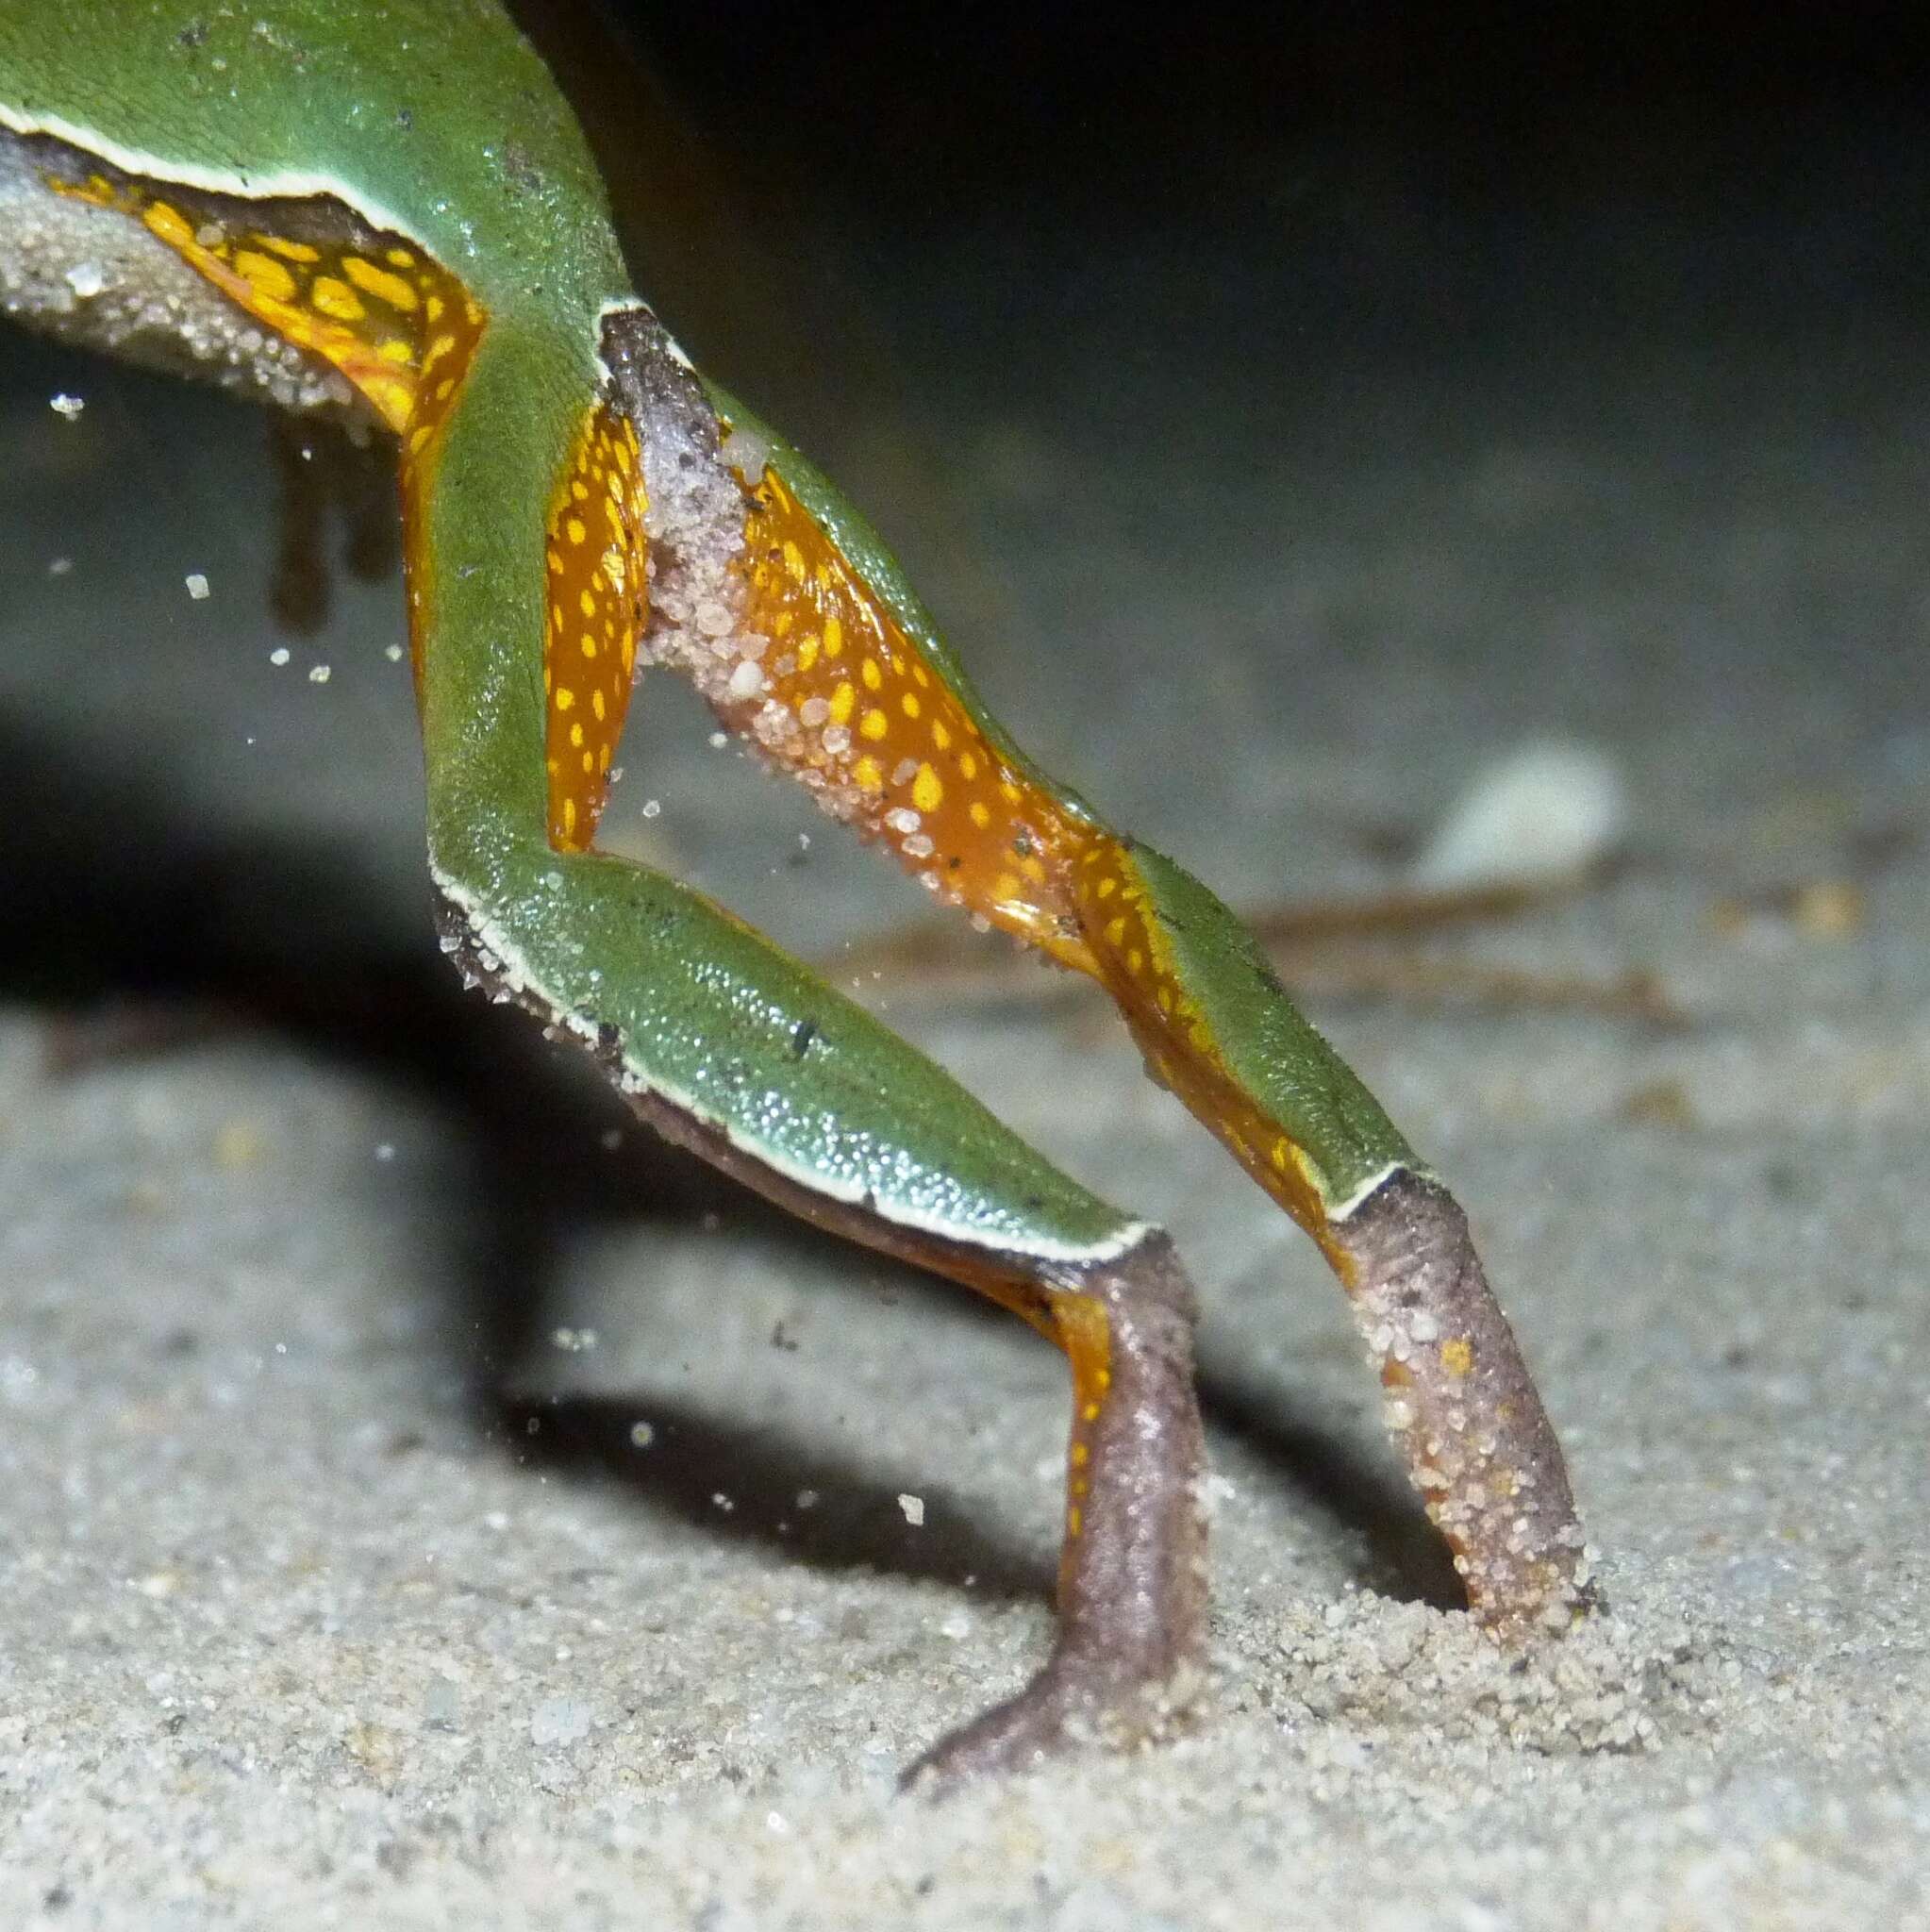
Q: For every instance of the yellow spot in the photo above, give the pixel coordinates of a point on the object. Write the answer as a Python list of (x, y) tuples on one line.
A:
[(1073, 1519), (808, 652), (939, 736), (588, 645), (1106, 887), (927, 795), (844, 700), (1279, 1154), (793, 562), (909, 702), (968, 766), (393, 401), (1115, 932), (569, 815), (565, 698), (289, 251), (379, 282), (874, 725), (871, 674), (981, 814), (1006, 885), (868, 774), (834, 638), (586, 603), (596, 705), (1457, 1357), (1080, 1455), (1034, 870), (576, 530), (399, 257), (266, 276), (577, 736), (1090, 1412), (433, 307), (396, 352), (335, 299), (168, 224)]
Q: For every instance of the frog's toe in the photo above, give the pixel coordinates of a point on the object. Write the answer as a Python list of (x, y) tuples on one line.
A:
[(1078, 1703)]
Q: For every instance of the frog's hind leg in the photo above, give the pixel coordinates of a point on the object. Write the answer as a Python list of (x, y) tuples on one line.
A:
[(528, 596), (851, 689)]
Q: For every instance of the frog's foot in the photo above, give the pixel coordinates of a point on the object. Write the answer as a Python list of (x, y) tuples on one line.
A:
[(1462, 1410), (1129, 1661), (1083, 1700)]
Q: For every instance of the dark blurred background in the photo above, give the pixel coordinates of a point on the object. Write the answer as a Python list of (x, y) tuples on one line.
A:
[(1284, 409), (1415, 180)]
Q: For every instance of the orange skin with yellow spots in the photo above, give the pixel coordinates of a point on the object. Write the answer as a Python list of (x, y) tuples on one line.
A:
[(877, 720), (596, 603), (577, 502)]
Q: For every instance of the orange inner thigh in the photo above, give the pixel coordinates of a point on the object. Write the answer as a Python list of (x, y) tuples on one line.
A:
[(845, 700), (595, 605)]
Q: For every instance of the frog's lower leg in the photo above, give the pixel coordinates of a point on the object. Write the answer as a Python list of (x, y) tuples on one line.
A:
[(866, 707), (1132, 1598), (1128, 1658), (731, 1049)]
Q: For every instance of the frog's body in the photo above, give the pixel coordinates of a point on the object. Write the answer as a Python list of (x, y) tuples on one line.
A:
[(388, 211)]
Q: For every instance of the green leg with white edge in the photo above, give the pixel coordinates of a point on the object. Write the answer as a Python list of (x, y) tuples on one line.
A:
[(1216, 1026), (703, 1033)]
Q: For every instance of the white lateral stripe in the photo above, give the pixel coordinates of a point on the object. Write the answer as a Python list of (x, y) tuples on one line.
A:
[(515, 971), (300, 186), (1373, 1182)]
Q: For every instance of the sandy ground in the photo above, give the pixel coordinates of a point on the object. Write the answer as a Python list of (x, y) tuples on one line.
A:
[(298, 1627)]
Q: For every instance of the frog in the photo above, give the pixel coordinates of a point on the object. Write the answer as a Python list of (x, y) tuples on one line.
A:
[(385, 216)]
